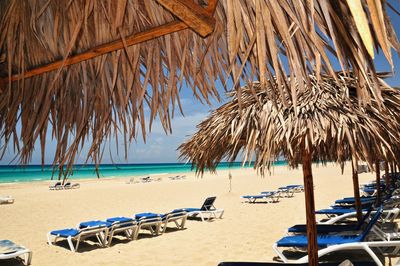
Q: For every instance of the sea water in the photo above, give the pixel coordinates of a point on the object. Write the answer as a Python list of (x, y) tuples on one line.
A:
[(14, 173)]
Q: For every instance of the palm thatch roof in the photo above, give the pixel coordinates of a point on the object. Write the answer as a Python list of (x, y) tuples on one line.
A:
[(328, 121), (85, 70)]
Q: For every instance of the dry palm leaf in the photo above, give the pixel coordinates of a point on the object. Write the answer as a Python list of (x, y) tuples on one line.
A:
[(91, 100), (328, 119)]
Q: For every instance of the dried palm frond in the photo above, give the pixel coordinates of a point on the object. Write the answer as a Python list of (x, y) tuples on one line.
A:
[(328, 120), (91, 100)]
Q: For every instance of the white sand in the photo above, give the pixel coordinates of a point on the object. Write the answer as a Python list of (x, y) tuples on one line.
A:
[(246, 233)]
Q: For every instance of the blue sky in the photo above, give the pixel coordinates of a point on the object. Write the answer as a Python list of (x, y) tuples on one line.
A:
[(161, 147)]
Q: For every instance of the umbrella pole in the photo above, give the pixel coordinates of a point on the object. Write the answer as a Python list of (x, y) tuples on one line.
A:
[(378, 183), (387, 178), (310, 209), (356, 187)]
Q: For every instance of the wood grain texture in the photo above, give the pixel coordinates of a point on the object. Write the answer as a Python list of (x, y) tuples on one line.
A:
[(312, 248), (193, 15), (356, 188)]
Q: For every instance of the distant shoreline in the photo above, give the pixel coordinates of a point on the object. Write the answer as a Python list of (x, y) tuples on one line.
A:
[(35, 173)]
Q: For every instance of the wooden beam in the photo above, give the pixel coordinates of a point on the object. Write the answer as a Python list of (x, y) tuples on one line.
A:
[(137, 38), (312, 247), (103, 49), (378, 182), (356, 188), (193, 15), (387, 178)]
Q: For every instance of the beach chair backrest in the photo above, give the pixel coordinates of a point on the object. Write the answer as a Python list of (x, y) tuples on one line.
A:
[(372, 222), (364, 218), (208, 204)]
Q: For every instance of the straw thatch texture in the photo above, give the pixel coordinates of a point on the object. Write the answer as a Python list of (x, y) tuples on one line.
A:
[(91, 100), (328, 121)]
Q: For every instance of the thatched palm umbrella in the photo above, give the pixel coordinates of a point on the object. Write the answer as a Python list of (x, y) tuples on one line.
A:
[(88, 69), (328, 124)]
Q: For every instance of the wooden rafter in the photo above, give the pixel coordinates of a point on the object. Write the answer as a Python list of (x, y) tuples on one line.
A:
[(133, 39), (193, 15)]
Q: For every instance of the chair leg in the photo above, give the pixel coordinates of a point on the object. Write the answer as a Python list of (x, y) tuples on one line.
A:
[(28, 258), (280, 254), (71, 245), (373, 255), (201, 216), (110, 237), (49, 239), (133, 233)]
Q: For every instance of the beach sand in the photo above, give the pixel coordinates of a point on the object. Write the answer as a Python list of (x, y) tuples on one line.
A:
[(246, 232)]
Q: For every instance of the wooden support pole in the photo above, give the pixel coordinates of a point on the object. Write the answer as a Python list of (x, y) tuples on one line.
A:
[(387, 178), (193, 15), (310, 209), (378, 183), (133, 39), (356, 188)]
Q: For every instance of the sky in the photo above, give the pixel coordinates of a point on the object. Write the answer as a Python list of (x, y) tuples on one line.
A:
[(162, 148)]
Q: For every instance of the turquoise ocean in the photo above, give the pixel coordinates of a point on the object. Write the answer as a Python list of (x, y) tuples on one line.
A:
[(29, 173)]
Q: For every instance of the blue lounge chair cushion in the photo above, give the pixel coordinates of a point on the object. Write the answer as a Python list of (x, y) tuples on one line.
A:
[(294, 186), (325, 228), (369, 190), (146, 215), (176, 212), (94, 224), (254, 196), (338, 211), (352, 200), (71, 232), (119, 220), (268, 193), (322, 240), (192, 209), (364, 204)]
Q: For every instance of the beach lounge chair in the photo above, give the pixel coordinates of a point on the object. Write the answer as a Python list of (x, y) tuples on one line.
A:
[(267, 196), (287, 192), (351, 200), (207, 210), (125, 225), (178, 216), (339, 211), (296, 188), (334, 243), (99, 229), (69, 185), (345, 263), (146, 179), (6, 200), (148, 221), (10, 250), (331, 228), (56, 186)]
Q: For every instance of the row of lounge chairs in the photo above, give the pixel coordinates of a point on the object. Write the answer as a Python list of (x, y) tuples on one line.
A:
[(377, 233), (274, 196), (177, 177), (103, 231), (144, 179), (370, 189), (67, 185)]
